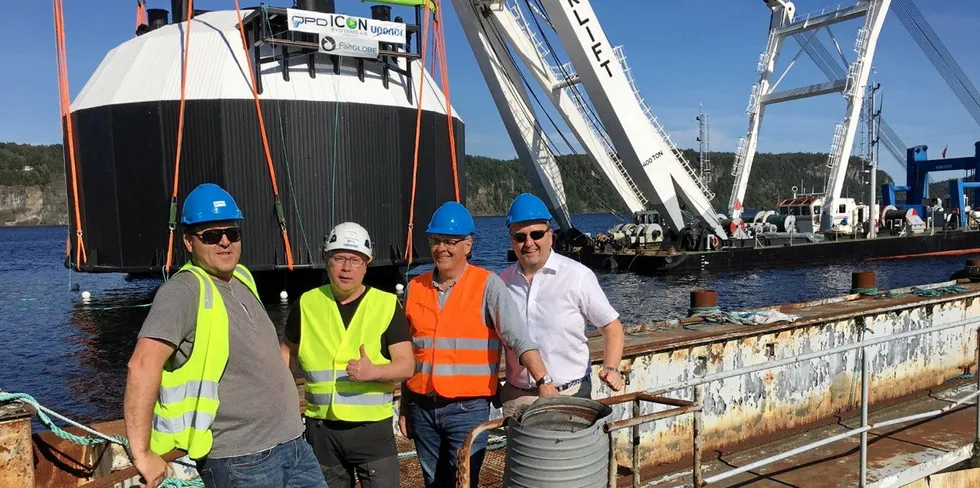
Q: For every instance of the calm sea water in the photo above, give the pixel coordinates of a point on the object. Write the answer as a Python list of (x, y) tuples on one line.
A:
[(72, 356)]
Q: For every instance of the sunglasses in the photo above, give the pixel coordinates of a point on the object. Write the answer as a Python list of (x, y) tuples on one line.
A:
[(535, 235), (213, 236)]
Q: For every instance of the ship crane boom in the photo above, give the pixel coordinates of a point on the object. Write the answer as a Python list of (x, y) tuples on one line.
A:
[(625, 141), (647, 152), (785, 23)]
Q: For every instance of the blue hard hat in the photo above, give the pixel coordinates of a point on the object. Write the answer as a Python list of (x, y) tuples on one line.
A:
[(209, 203), (451, 219), (527, 207)]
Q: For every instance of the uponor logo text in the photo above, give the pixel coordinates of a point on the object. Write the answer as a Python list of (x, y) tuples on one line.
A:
[(379, 30)]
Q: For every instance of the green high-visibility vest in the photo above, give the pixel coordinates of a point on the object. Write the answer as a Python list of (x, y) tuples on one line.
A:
[(188, 400), (325, 347)]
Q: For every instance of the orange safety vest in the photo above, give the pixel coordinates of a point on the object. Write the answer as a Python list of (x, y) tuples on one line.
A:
[(456, 353)]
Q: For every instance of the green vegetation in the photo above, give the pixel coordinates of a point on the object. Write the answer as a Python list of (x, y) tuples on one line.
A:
[(491, 183), (28, 165)]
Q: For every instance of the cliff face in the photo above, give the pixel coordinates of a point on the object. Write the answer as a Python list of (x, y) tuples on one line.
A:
[(491, 184), (34, 205)]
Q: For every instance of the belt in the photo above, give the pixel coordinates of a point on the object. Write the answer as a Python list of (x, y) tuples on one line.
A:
[(559, 388), (432, 401)]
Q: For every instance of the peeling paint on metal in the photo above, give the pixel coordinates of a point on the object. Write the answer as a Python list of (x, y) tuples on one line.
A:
[(16, 462), (766, 403)]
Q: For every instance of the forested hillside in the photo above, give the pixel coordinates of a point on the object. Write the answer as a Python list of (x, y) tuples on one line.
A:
[(33, 190)]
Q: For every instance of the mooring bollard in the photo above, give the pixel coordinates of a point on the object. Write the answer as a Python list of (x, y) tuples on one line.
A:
[(703, 301), (864, 282)]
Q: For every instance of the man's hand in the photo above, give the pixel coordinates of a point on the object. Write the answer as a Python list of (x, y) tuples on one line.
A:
[(611, 378), (362, 369), (547, 390), (404, 425), (151, 467)]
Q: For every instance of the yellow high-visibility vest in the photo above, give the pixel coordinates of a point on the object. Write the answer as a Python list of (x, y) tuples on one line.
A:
[(325, 347), (188, 400)]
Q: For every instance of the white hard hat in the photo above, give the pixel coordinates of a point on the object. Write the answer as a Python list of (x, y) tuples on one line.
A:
[(349, 236)]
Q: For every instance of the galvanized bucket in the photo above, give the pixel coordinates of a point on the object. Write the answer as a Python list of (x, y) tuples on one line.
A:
[(558, 442)]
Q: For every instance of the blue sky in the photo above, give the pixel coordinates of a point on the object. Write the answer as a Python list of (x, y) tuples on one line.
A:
[(682, 54)]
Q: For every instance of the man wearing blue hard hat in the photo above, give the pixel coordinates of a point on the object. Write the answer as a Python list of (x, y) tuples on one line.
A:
[(207, 376), (459, 315), (556, 295)]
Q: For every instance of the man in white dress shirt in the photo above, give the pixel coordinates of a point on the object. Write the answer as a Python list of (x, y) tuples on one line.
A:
[(557, 296)]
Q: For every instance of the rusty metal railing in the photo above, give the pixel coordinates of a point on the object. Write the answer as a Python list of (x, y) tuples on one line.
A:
[(463, 454), (699, 383), (681, 407)]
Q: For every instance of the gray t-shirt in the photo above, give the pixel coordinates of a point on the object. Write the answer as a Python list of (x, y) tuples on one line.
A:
[(259, 401)]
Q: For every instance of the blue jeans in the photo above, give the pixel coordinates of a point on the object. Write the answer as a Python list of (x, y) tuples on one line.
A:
[(439, 432), (290, 464)]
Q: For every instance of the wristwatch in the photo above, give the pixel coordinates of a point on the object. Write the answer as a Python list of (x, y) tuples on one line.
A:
[(615, 370), (545, 380)]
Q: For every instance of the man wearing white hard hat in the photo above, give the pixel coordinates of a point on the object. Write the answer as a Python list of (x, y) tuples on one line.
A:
[(353, 345)]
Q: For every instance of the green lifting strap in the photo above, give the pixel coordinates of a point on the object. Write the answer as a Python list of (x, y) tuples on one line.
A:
[(406, 3)]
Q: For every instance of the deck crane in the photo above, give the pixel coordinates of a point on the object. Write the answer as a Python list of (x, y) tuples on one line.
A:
[(619, 131), (785, 23), (487, 31), (933, 48)]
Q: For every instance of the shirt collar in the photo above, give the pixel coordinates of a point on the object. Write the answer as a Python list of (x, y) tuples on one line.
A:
[(550, 266), (435, 275), (553, 262)]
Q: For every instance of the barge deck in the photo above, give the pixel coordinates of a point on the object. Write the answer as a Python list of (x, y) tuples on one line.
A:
[(755, 390)]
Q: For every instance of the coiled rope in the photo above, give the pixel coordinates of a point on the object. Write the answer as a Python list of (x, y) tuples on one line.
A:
[(926, 292), (714, 314), (44, 414)]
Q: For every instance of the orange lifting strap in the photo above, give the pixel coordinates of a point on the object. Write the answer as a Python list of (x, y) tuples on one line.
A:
[(439, 46), (418, 131), (64, 101), (140, 15), (444, 74), (180, 135), (265, 143)]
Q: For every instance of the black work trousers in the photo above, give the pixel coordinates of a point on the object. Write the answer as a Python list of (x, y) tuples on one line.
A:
[(346, 449)]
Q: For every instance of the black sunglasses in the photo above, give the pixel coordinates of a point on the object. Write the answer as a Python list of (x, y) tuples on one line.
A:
[(213, 236), (535, 235)]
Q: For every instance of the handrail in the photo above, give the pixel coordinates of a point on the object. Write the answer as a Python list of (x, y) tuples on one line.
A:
[(670, 387), (129, 472), (682, 407), (862, 344), (829, 440), (463, 454)]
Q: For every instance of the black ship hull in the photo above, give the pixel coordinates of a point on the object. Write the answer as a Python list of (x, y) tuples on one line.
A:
[(797, 254)]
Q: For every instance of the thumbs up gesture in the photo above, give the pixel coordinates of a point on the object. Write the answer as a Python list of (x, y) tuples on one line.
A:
[(362, 369)]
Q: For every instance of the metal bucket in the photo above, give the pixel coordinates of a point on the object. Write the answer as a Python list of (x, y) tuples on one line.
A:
[(558, 442)]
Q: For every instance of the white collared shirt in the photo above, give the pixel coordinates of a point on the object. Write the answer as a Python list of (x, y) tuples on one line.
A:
[(561, 297)]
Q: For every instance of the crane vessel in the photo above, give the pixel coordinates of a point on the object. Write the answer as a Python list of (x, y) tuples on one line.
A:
[(673, 225)]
